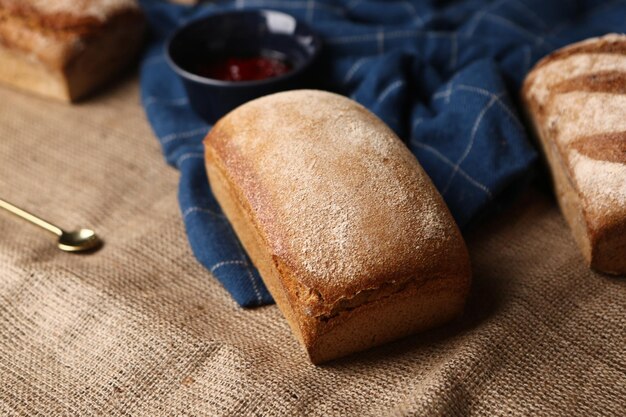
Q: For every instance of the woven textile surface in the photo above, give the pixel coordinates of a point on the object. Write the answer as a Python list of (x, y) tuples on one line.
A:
[(142, 329), (443, 75)]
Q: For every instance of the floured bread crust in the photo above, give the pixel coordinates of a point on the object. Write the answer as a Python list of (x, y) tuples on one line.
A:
[(576, 99), (47, 47), (68, 14), (348, 232)]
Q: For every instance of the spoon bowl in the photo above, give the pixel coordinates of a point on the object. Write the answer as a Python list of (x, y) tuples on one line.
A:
[(79, 240)]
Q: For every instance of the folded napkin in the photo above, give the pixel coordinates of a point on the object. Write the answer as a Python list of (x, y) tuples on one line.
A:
[(443, 75)]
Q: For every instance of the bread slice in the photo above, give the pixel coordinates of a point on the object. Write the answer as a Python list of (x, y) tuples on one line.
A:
[(347, 231), (576, 100), (65, 49)]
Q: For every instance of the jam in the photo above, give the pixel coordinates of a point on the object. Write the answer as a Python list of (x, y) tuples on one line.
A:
[(244, 68)]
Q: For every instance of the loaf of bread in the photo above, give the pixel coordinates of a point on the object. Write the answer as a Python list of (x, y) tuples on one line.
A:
[(576, 100), (65, 48), (349, 234)]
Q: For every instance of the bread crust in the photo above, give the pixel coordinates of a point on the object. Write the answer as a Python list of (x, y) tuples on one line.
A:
[(81, 16), (574, 99), (66, 53), (380, 284)]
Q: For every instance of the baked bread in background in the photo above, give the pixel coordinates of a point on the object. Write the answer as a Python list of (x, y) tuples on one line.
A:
[(346, 229), (65, 48), (576, 100)]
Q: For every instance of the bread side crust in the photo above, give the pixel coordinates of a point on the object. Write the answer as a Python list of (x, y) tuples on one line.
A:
[(601, 236), (70, 73), (416, 306), (82, 16), (21, 71), (106, 54), (240, 218), (567, 195)]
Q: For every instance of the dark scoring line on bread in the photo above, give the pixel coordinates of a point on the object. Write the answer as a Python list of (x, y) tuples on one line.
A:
[(610, 147), (613, 82)]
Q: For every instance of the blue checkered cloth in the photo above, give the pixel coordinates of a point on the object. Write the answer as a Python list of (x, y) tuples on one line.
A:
[(443, 75)]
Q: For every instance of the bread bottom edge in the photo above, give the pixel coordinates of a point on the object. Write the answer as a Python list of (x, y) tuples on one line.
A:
[(416, 309), (608, 254)]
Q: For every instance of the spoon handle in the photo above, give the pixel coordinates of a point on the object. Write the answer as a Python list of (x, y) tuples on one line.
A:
[(30, 217)]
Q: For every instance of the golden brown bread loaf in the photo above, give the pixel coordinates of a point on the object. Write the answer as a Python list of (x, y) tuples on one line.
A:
[(65, 48), (576, 99), (349, 234)]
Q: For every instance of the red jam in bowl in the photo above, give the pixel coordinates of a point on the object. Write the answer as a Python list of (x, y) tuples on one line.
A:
[(244, 68)]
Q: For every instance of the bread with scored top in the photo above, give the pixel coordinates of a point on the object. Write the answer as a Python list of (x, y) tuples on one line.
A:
[(64, 49), (576, 100), (346, 229)]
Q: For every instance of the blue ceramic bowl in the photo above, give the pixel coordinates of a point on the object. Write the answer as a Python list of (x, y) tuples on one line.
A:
[(240, 34)]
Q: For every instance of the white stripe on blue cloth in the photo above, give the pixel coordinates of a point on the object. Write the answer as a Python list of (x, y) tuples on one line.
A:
[(479, 14), (186, 156), (539, 40), (354, 68), (407, 33), (530, 13), (179, 101), (196, 209), (413, 12), (380, 40), (472, 89), (470, 144), (224, 263), (183, 135), (288, 4), (444, 159), (415, 123), (390, 88), (501, 103), (445, 93)]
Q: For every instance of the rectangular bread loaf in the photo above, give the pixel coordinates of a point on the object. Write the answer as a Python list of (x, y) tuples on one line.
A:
[(349, 234), (64, 49), (576, 100)]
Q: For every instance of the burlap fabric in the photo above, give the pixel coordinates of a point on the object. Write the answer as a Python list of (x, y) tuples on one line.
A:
[(140, 328)]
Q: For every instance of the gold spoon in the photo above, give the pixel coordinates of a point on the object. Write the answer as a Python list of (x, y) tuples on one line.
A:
[(76, 241)]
